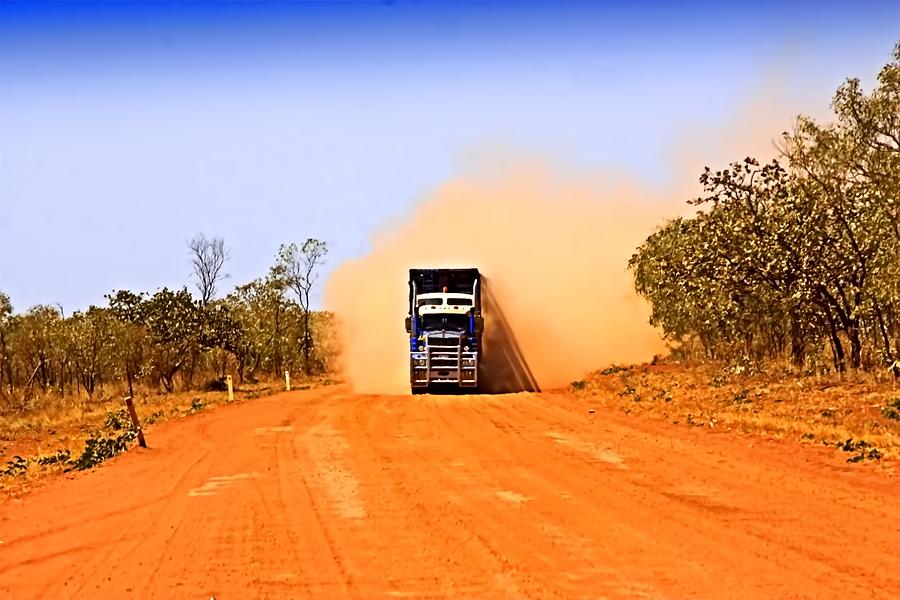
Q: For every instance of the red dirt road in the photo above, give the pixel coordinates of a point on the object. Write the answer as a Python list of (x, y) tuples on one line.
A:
[(331, 495)]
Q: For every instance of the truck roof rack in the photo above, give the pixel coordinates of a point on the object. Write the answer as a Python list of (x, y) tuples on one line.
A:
[(430, 281)]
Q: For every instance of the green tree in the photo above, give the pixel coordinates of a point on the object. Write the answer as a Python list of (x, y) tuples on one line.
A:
[(173, 322), (261, 309), (6, 375), (796, 253), (92, 339)]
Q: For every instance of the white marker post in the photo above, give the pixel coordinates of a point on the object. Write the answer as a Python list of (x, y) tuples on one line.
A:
[(230, 389), (287, 381)]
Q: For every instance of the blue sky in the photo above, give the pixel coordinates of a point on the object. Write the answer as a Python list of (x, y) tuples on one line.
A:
[(125, 128)]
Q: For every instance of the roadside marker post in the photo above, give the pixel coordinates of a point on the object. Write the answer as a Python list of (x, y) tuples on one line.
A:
[(287, 381), (129, 404), (230, 388)]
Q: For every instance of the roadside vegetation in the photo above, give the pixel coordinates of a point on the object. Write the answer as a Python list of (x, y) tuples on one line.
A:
[(797, 259), (780, 297), (169, 340), (855, 414), (77, 435), (62, 376)]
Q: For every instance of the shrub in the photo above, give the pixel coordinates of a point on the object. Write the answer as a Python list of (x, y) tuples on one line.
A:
[(117, 419), (892, 409), (99, 448)]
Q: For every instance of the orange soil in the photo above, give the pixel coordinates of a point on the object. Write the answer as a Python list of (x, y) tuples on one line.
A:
[(333, 495)]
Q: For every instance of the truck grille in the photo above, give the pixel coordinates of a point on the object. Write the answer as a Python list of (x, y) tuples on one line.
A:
[(447, 362), (444, 342)]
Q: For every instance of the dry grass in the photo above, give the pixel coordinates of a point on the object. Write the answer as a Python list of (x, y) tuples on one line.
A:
[(65, 423), (815, 409)]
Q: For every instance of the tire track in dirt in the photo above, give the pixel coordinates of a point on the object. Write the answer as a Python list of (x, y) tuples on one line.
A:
[(691, 514), (344, 583), (118, 528), (440, 539), (569, 558), (718, 483)]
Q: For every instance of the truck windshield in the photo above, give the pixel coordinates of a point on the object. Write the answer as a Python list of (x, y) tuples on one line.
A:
[(441, 322)]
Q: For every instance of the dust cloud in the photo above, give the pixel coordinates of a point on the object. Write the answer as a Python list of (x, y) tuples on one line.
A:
[(554, 247)]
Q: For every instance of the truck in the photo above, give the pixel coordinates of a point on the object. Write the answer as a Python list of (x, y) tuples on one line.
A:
[(445, 327)]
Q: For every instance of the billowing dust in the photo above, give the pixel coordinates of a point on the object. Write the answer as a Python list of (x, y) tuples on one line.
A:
[(554, 248)]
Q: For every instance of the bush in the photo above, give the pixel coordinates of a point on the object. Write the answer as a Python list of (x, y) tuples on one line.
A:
[(866, 450), (216, 385), (154, 417), (98, 448), (61, 457), (612, 369), (15, 466), (117, 419), (742, 396), (892, 409)]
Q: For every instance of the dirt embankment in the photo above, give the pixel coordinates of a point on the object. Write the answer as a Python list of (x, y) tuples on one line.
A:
[(330, 494), (859, 413)]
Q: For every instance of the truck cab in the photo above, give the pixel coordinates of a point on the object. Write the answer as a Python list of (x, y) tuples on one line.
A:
[(445, 326)]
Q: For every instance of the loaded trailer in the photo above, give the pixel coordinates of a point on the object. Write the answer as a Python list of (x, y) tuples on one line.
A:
[(445, 327)]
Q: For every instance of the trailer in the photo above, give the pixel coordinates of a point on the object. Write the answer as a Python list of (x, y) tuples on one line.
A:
[(445, 327)]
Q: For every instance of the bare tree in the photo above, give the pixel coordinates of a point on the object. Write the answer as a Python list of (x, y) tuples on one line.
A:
[(208, 256), (298, 267)]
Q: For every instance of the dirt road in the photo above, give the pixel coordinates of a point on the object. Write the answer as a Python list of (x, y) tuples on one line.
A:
[(330, 495)]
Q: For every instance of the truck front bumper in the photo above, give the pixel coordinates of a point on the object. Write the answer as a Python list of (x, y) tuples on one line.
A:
[(443, 365)]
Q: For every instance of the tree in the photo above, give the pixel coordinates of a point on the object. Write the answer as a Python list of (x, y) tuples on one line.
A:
[(173, 322), (853, 167), (297, 267), (797, 253), (221, 329), (208, 256), (93, 347), (262, 311), (6, 376), (166, 338), (131, 339)]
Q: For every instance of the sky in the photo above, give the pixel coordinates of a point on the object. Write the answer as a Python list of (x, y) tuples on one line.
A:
[(126, 127)]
